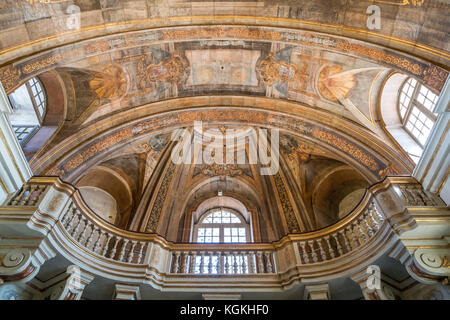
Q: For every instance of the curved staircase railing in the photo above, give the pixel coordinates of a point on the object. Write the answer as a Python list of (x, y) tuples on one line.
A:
[(77, 224)]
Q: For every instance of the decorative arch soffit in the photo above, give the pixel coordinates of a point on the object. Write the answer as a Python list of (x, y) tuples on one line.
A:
[(12, 74), (351, 143)]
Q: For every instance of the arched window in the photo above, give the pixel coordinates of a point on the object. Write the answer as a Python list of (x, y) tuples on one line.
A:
[(416, 104), (221, 225), (29, 105)]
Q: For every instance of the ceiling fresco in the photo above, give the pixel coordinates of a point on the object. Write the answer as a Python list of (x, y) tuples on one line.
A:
[(135, 72), (408, 25)]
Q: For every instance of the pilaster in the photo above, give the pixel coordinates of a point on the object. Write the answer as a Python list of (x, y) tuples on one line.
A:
[(126, 292), (318, 291), (14, 168)]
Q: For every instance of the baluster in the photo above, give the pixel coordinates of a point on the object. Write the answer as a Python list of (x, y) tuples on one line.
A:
[(82, 227), (122, 250), (77, 225), (65, 220), (33, 196), (89, 236), (42, 190), (15, 201), (376, 216), (221, 265), (210, 262), (251, 262), (371, 221), (244, 264), (338, 244), (176, 262), (202, 262), (369, 229), (98, 243), (313, 251), (72, 222), (141, 253), (260, 262), (330, 248), (186, 262), (193, 256), (357, 241), (114, 249), (268, 255), (38, 191), (25, 196), (304, 253), (85, 234), (323, 254), (407, 195), (235, 263), (349, 241), (106, 245), (362, 233), (131, 252), (227, 262)]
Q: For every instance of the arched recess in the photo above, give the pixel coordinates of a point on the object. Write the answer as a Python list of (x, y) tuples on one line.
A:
[(51, 119), (336, 191), (316, 127), (236, 193), (113, 188)]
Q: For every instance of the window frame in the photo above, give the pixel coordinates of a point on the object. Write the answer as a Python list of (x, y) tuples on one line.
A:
[(33, 98), (414, 103), (23, 142), (221, 226)]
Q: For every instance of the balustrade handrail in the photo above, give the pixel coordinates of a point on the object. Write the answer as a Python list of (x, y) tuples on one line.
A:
[(363, 219)]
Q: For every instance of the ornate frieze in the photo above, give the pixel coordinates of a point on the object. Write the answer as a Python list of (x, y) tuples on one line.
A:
[(187, 118), (215, 169), (96, 147), (288, 210), (155, 213), (347, 147), (176, 68)]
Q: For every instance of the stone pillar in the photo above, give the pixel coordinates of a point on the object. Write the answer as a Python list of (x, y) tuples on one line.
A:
[(318, 291), (126, 292), (433, 167), (73, 286), (14, 168)]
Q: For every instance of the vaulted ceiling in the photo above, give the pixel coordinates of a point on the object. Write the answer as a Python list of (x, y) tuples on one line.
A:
[(136, 71)]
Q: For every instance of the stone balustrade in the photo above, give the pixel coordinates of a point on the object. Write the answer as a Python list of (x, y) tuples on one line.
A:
[(29, 195), (75, 228), (234, 261), (343, 240), (99, 241)]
